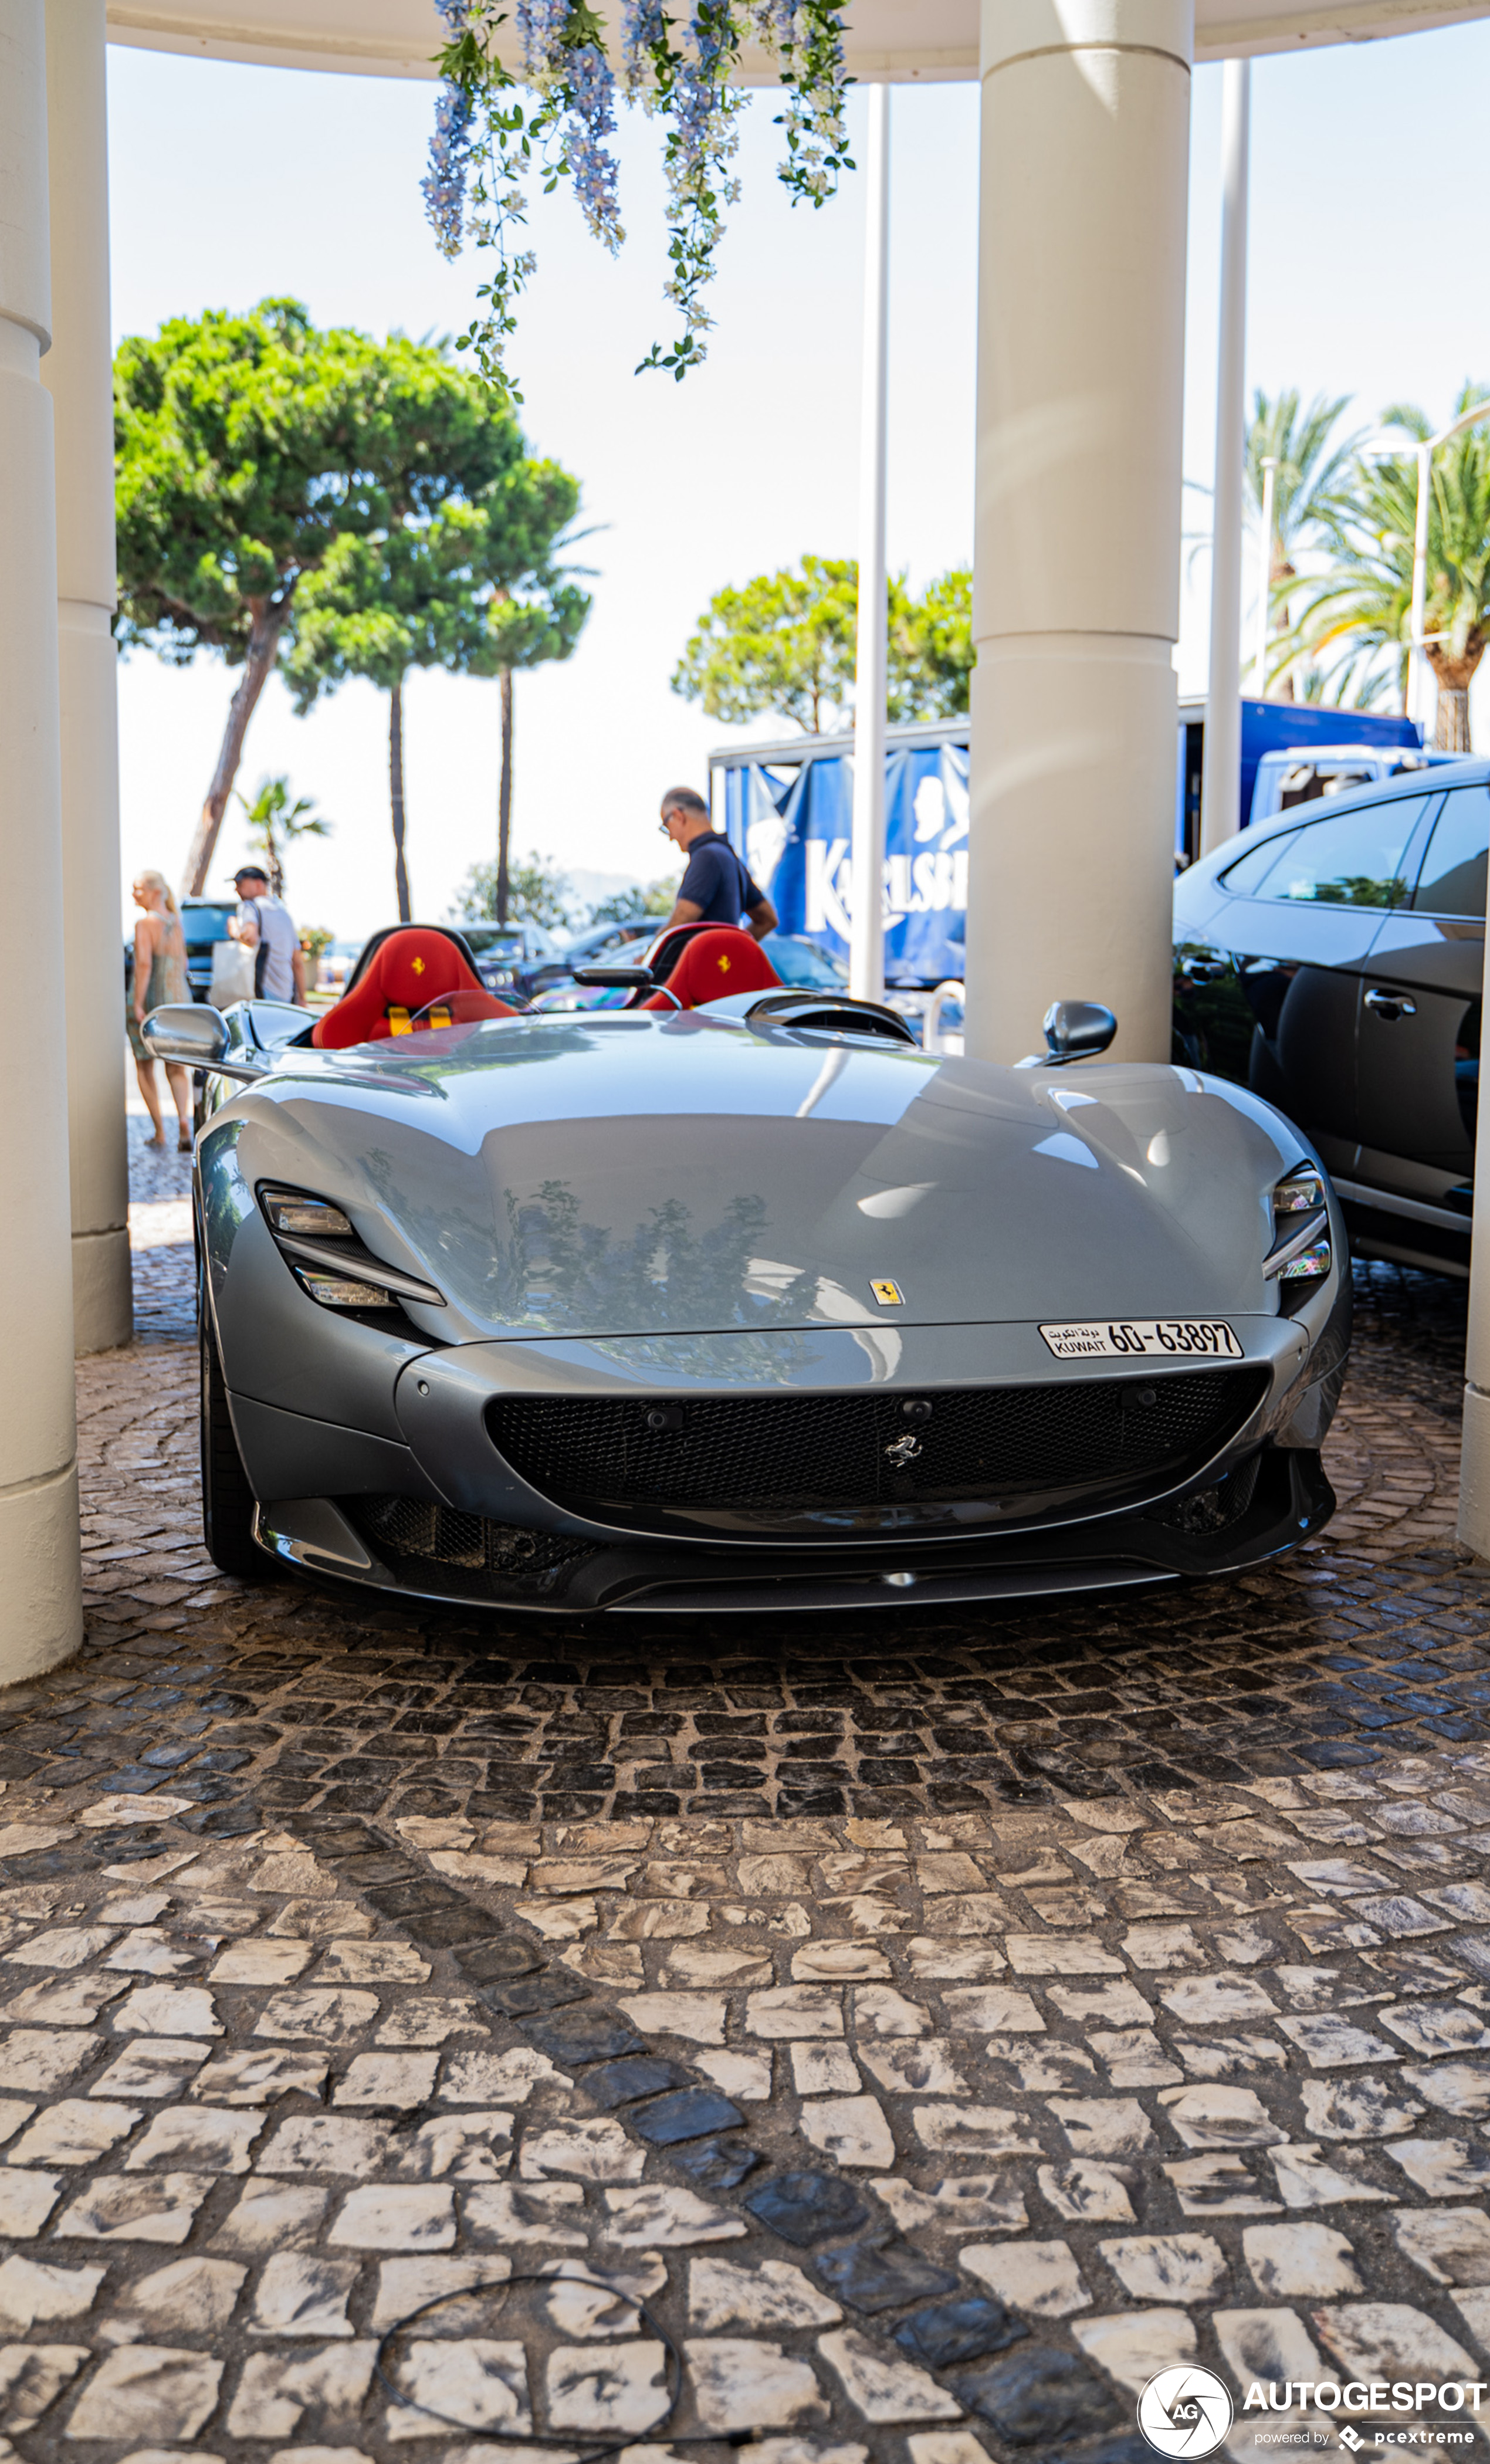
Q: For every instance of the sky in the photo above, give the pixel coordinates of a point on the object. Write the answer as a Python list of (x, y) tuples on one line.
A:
[(232, 184)]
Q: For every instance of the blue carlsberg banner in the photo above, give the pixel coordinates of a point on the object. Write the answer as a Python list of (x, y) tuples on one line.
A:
[(792, 823)]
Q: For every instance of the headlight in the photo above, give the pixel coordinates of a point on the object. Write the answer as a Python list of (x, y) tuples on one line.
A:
[(319, 1245), (1300, 1251)]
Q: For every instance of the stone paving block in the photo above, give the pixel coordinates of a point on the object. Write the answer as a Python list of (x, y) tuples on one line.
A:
[(383, 2217), (1454, 2087), (823, 2069), (978, 2202), (74, 2132), (309, 2016), (1218, 2186), (276, 2393), (1231, 2056), (1217, 2001), (997, 2010), (299, 2294), (479, 2382), (34, 2293), (401, 2080), (697, 2017), (1334, 2044), (851, 2129), (919, 2067), (881, 2388), (148, 2391), (269, 2216), (152, 2066), (615, 2388), (1103, 2126), (1167, 2267), (1087, 2194), (1214, 2116), (146, 1950), (1040, 2278), (795, 2011), (407, 2287), (73, 2002), (320, 1920), (32, 2378), (63, 1946), (496, 2078), (655, 2217), (971, 1963), (156, 2208), (1356, 2108), (257, 2077), (1032, 1954), (197, 2138), (725, 2293), (167, 2010), (521, 2214), (1164, 1947), (1307, 2179), (37, 2060), (972, 2130), (1390, 2339), (371, 1963), (745, 2384), (461, 2147), (596, 2151), (1271, 2346), (1429, 2028), (1473, 2308), (1133, 2057), (1445, 2168), (746, 2076), (191, 2297), (1132, 2346), (879, 2011), (260, 1963), (1449, 2245), (324, 2143)]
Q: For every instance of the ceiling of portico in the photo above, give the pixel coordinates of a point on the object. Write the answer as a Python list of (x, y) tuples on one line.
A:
[(903, 40)]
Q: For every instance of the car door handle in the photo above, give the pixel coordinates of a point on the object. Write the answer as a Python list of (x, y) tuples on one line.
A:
[(1389, 1005), (1202, 971)]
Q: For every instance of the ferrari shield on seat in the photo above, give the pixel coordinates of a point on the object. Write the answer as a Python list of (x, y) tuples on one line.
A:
[(719, 961), (403, 974)]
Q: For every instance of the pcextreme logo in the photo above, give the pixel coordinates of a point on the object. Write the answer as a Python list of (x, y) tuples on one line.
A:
[(1185, 2411)]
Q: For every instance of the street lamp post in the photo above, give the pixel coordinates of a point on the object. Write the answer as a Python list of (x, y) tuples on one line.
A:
[(1425, 448)]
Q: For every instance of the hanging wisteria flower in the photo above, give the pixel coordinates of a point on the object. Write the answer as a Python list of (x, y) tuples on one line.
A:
[(683, 70)]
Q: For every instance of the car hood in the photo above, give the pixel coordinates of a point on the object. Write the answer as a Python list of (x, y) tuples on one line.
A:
[(608, 1175)]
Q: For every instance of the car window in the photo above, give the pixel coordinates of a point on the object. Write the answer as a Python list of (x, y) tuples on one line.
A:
[(803, 965), (205, 923), (1453, 878), (1355, 859), (1244, 877)]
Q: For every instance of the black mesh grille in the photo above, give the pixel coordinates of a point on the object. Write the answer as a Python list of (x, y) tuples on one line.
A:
[(869, 1459), (473, 1555), (1206, 1512)]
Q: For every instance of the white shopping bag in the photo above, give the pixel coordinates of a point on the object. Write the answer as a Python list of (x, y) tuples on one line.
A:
[(232, 974)]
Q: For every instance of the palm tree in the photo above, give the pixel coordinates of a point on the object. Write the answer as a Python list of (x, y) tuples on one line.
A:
[(275, 823), (1362, 604), (1309, 470)]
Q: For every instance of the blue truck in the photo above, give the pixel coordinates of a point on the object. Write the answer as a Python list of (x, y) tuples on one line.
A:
[(788, 810)]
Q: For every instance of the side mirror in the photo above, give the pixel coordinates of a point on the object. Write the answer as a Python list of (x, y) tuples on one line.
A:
[(187, 1032), (1077, 1030), (627, 979), (195, 1036)]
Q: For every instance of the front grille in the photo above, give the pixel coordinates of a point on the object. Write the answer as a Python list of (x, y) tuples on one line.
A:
[(475, 1556), (774, 1460)]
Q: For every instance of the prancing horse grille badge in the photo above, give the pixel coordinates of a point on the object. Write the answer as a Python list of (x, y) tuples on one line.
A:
[(889, 1295), (903, 1450)]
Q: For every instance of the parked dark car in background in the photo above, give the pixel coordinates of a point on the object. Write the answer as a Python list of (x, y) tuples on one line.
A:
[(1336, 967), (205, 922), (508, 956)]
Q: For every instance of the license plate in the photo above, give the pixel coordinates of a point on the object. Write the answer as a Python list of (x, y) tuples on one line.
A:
[(1177, 1338)]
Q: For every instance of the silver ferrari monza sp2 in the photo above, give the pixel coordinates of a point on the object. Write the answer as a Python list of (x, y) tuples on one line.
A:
[(750, 1306)]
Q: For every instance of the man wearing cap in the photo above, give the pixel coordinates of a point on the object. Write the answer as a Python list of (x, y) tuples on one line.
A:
[(716, 888), (263, 925)]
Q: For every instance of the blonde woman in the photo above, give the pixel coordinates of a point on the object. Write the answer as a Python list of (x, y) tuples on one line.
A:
[(160, 977)]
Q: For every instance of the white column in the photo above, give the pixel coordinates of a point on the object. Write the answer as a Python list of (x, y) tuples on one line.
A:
[(867, 947), (1076, 599), (1220, 783), (40, 1614), (78, 372)]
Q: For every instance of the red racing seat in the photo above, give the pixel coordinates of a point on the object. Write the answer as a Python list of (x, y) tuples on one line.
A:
[(721, 960), (407, 970)]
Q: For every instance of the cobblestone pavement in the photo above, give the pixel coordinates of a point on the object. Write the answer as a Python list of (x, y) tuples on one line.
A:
[(894, 2040)]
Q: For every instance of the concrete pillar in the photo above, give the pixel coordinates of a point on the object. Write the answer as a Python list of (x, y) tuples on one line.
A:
[(1220, 783), (40, 1612), (1075, 598), (78, 372)]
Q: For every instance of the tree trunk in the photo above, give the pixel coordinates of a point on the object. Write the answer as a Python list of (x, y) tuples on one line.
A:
[(396, 798), (268, 618), (504, 803), (1454, 678)]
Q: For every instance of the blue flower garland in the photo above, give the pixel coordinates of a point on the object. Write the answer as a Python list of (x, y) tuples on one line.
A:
[(488, 141)]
